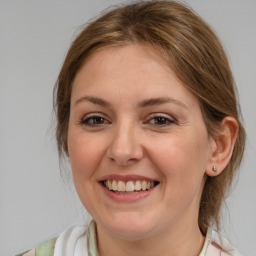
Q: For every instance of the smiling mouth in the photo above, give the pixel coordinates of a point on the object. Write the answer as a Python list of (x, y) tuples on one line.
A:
[(119, 186)]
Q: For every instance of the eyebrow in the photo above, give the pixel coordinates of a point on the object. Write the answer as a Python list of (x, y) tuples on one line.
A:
[(142, 104), (159, 101), (94, 100)]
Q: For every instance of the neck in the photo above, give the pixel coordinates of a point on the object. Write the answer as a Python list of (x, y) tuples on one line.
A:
[(177, 242)]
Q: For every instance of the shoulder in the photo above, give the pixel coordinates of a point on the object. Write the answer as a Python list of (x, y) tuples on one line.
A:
[(44, 249), (221, 246), (69, 241)]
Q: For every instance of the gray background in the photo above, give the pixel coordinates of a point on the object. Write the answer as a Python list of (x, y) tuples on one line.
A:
[(35, 204)]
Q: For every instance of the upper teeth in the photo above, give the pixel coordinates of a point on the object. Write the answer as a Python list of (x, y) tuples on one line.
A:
[(129, 186)]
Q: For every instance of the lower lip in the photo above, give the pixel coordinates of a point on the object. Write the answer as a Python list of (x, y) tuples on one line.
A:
[(127, 198)]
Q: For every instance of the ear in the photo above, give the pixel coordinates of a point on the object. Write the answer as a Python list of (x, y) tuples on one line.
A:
[(222, 146)]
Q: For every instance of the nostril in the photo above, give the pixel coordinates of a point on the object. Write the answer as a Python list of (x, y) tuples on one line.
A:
[(124, 162)]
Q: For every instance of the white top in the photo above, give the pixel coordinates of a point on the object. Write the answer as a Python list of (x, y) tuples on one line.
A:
[(77, 241)]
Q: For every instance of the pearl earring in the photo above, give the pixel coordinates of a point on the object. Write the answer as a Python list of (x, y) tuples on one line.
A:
[(214, 168)]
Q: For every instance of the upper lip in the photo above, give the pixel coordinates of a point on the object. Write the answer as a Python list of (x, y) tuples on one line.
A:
[(125, 178)]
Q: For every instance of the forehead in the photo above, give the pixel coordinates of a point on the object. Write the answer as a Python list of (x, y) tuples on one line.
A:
[(131, 70), (108, 59)]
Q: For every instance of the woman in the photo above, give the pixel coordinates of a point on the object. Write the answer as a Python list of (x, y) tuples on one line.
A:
[(148, 117)]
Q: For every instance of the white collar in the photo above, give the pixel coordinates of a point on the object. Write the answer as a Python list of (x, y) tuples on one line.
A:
[(79, 241)]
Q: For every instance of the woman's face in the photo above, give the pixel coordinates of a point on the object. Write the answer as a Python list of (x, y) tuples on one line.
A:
[(134, 128)]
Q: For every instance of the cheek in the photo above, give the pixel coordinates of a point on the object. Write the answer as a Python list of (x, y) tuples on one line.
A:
[(181, 162), (85, 154), (181, 159)]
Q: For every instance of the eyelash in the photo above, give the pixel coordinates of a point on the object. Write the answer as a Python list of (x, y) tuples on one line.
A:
[(167, 121), (92, 118), (162, 118)]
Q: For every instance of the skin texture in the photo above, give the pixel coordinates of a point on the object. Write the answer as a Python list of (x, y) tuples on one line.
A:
[(129, 139)]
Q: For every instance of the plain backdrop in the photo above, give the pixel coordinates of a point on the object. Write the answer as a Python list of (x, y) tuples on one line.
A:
[(35, 203)]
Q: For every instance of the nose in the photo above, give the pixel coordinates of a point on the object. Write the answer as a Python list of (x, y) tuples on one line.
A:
[(125, 147)]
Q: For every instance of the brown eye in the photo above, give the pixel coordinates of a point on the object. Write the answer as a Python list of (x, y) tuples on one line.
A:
[(94, 120), (161, 121)]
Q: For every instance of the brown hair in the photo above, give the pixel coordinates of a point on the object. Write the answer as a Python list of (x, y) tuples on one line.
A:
[(197, 58)]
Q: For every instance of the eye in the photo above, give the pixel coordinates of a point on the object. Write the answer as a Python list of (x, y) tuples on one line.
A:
[(160, 120), (94, 121)]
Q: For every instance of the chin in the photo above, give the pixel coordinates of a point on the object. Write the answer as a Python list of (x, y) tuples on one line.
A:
[(128, 226)]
